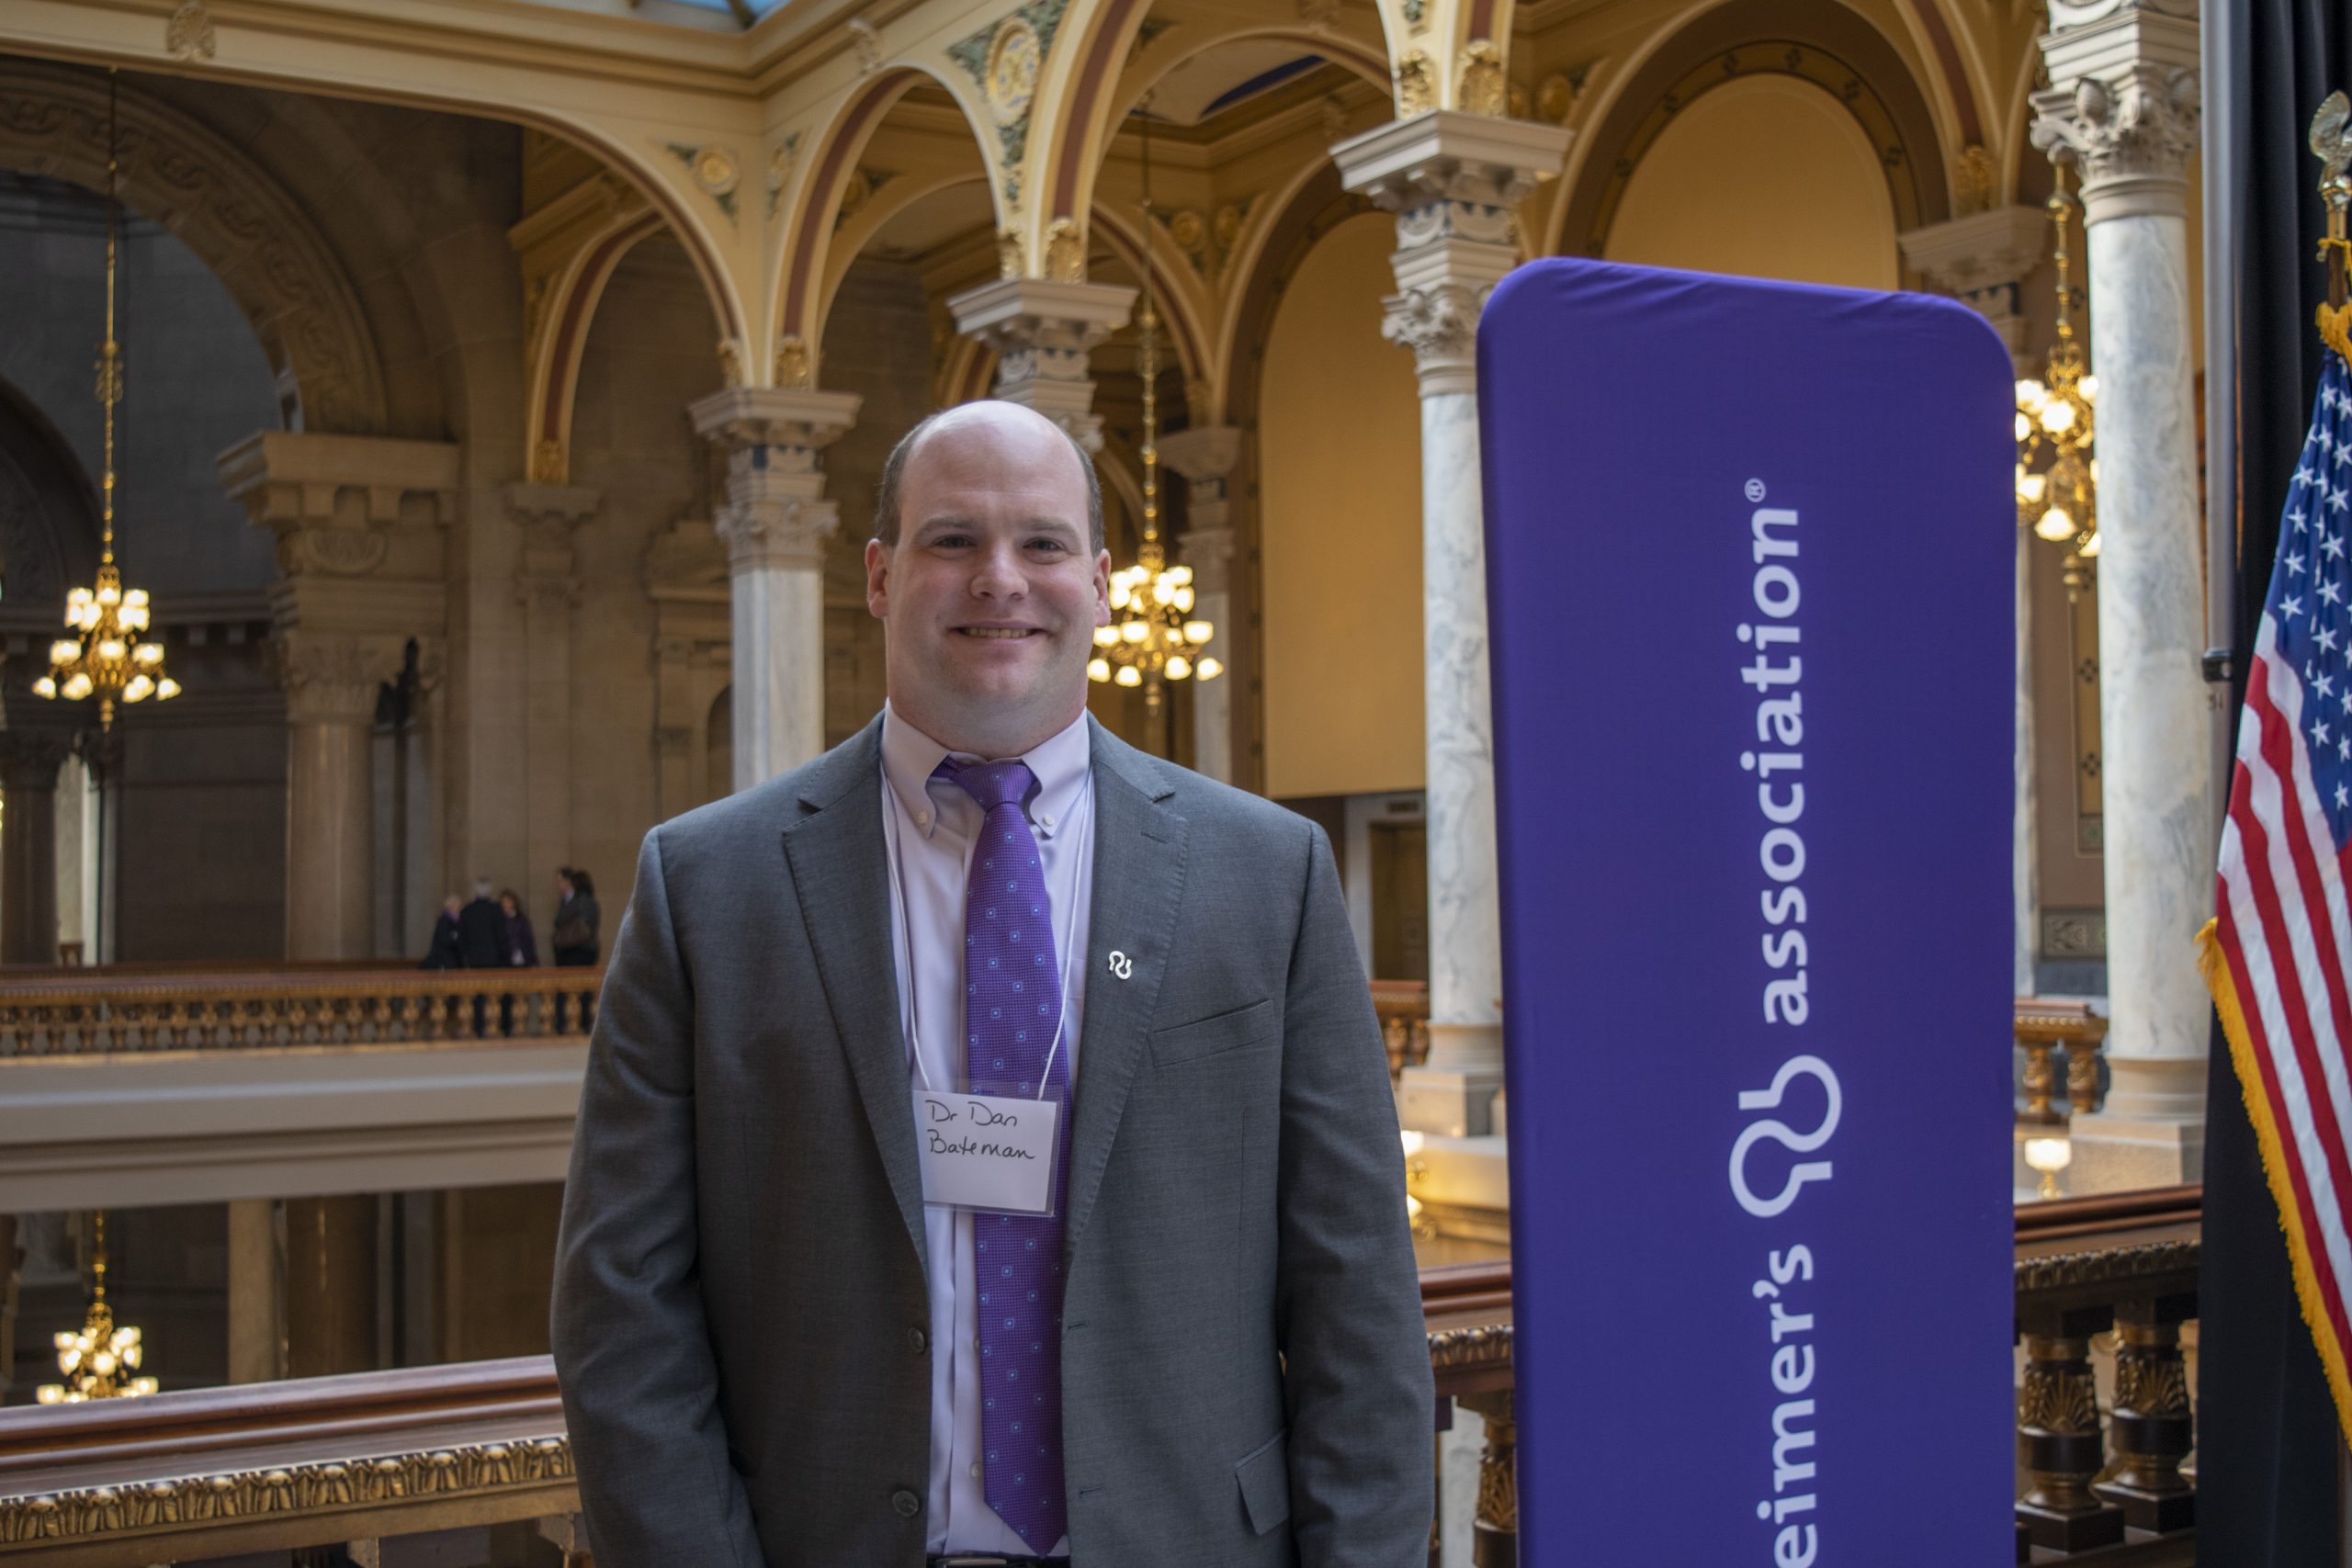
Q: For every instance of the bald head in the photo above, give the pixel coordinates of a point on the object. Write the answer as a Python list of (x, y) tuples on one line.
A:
[(1014, 434)]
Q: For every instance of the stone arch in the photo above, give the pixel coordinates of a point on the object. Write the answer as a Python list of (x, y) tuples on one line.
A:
[(831, 159), (1179, 46), (852, 234), (1821, 41), (555, 334), (235, 216), (48, 507)]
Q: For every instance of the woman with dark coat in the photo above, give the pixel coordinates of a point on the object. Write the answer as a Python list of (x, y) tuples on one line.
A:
[(522, 946), (576, 917)]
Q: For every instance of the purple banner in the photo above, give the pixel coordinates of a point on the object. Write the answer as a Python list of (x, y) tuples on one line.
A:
[(1750, 555)]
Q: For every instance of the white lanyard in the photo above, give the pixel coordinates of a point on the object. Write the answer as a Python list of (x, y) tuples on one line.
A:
[(909, 989)]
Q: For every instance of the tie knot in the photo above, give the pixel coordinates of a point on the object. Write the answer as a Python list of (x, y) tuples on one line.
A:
[(993, 784)]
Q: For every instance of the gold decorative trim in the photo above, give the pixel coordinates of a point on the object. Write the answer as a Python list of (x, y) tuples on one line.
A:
[(1487, 1346), (291, 1491), (2108, 1265)]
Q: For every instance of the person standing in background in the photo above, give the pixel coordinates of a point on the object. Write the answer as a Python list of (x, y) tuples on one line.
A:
[(576, 919), (521, 946), (481, 930), (445, 953)]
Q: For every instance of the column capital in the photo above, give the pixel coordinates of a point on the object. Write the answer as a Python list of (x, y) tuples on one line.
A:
[(332, 679), (1446, 155), (777, 531), (2122, 104), (549, 516), (1981, 259), (1042, 331), (795, 423), (1452, 179), (346, 505)]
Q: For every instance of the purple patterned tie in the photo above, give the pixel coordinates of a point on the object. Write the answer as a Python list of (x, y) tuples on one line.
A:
[(1012, 1004)]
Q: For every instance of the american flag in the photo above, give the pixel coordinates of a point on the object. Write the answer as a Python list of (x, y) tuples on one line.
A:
[(2279, 953)]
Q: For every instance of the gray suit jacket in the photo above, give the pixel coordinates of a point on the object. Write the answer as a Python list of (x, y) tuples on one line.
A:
[(741, 1314)]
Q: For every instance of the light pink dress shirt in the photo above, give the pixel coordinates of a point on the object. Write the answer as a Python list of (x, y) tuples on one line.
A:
[(932, 823)]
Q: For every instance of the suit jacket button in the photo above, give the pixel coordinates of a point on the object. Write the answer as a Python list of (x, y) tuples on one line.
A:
[(907, 1503), (916, 1338)]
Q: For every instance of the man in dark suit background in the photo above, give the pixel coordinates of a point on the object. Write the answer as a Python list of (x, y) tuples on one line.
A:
[(1207, 1348)]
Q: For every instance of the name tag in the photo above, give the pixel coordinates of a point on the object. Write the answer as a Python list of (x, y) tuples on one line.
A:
[(987, 1152)]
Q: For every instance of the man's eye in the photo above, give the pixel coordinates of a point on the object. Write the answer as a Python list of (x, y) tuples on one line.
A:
[(950, 541), (1048, 545)]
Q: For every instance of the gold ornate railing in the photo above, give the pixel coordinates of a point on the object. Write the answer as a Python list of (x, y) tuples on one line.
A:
[(351, 1461), (2041, 1027), (59, 1012)]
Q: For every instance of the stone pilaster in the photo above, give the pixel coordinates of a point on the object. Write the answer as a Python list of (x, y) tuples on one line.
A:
[(775, 525), (1042, 332), (1206, 456), (1984, 260), (29, 764), (361, 525), (1452, 179), (2122, 109), (546, 590)]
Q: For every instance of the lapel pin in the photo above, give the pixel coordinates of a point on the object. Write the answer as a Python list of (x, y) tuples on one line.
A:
[(1121, 965)]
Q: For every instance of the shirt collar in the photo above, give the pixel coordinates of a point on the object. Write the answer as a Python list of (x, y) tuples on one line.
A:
[(910, 758)]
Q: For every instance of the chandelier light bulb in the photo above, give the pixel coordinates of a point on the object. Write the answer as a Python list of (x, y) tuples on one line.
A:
[(1183, 600), (2030, 487), (76, 687), (2058, 416), (1104, 635), (138, 688), (1133, 631), (2088, 387), (2031, 393), (64, 653), (1098, 669), (1129, 675), (45, 687), (2025, 428), (1179, 575), (1207, 670), (1198, 633), (2056, 525), (166, 689), (2089, 549), (1179, 666), (1163, 591)]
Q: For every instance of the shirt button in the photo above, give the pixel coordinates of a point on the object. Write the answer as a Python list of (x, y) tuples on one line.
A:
[(905, 1503), (976, 1470), (916, 1338), (1046, 817)]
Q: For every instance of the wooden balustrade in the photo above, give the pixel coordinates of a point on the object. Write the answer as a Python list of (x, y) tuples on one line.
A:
[(351, 1461), (73, 1012), (2041, 1027)]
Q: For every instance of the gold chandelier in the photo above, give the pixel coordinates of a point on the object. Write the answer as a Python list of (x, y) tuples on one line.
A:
[(1153, 638), (2057, 471), (104, 656), (98, 1361)]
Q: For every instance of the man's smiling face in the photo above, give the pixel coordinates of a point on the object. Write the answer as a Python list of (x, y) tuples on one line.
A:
[(992, 590)]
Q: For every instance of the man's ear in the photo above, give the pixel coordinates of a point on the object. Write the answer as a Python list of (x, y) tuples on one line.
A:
[(1102, 588), (877, 579)]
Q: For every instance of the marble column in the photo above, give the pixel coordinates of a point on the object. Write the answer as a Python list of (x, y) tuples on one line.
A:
[(1984, 259), (1205, 457), (775, 523), (2123, 110), (1452, 179), (546, 590), (29, 765), (330, 689), (1042, 334), (360, 523)]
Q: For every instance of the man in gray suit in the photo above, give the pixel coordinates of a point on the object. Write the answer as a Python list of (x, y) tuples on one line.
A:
[(1192, 1336)]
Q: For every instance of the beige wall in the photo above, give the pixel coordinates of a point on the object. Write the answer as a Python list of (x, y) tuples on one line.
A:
[(1767, 176), (1340, 509)]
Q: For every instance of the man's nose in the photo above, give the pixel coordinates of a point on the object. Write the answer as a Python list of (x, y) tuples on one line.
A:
[(1000, 575)]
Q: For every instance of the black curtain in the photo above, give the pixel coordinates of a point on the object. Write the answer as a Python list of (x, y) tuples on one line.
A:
[(2267, 1438)]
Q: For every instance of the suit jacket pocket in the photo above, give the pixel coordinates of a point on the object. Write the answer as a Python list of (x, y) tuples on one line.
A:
[(1264, 1476), (1207, 1037)]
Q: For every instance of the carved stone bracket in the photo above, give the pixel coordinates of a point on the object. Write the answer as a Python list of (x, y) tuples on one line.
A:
[(550, 514), (2122, 104), (1452, 178), (1043, 333)]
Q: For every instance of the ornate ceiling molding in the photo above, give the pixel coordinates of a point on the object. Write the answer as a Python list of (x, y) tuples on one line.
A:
[(246, 227)]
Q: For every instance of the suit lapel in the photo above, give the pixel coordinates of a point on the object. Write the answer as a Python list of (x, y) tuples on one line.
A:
[(841, 870), (1139, 846)]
